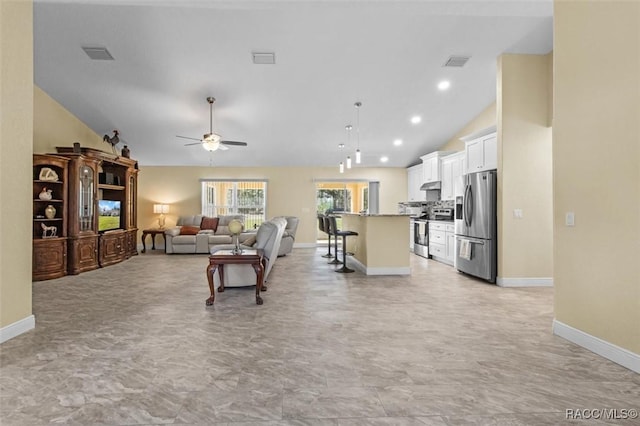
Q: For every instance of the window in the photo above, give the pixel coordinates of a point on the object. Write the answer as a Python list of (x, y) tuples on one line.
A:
[(247, 198)]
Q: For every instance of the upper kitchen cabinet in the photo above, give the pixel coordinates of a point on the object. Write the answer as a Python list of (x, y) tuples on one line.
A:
[(414, 181), (481, 153), (452, 171), (431, 167)]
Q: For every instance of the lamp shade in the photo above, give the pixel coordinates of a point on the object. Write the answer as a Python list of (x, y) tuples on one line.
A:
[(161, 208)]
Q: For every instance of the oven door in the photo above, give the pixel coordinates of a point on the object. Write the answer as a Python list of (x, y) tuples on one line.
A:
[(420, 233)]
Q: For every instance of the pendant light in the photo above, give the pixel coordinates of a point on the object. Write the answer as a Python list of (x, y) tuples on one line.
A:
[(358, 154), (348, 127), (341, 167)]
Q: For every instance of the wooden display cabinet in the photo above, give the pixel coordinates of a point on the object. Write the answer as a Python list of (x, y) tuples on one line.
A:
[(49, 230), (96, 175), (83, 220)]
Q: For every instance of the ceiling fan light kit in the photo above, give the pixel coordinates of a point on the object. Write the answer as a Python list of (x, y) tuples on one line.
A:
[(212, 141)]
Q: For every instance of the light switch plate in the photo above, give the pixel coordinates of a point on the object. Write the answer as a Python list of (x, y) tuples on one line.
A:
[(570, 219), (517, 213)]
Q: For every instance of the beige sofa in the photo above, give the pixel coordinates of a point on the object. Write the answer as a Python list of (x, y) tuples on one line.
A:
[(204, 240)]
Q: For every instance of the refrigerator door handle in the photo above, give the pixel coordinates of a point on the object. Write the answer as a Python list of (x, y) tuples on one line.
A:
[(468, 205)]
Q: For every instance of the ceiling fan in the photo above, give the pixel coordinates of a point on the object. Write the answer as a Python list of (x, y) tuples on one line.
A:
[(212, 141)]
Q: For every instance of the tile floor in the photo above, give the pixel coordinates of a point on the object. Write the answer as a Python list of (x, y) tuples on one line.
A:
[(134, 344)]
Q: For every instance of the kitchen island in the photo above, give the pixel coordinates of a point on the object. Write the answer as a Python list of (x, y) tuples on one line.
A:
[(381, 245)]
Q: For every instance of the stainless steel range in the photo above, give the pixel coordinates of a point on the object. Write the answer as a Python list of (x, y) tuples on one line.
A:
[(421, 236)]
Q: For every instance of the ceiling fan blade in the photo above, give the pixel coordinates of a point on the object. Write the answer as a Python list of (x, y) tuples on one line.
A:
[(195, 143), (186, 137), (222, 147), (233, 143)]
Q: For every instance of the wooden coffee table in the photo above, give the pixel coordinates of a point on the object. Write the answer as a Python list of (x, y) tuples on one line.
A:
[(226, 257)]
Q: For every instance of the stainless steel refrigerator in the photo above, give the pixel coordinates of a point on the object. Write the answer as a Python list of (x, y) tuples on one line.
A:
[(476, 230)]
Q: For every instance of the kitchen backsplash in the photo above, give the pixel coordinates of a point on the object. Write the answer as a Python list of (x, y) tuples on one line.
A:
[(443, 204)]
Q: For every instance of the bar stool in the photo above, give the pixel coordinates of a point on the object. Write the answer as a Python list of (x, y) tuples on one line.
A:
[(344, 234), (330, 231), (322, 228)]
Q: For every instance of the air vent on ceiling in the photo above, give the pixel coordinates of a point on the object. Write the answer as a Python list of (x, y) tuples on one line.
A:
[(264, 58), (456, 61), (98, 53)]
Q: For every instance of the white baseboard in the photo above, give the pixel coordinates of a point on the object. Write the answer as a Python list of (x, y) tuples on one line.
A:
[(525, 282), (307, 245), (355, 263), (17, 328), (596, 345)]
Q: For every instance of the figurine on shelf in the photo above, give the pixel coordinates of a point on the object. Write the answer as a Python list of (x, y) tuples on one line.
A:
[(45, 194), (49, 174), (49, 231), (125, 152)]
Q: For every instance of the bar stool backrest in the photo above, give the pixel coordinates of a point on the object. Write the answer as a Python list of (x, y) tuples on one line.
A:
[(333, 227), (321, 226)]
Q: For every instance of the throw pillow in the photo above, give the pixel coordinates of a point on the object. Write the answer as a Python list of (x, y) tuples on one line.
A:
[(209, 223), (189, 230), (249, 241)]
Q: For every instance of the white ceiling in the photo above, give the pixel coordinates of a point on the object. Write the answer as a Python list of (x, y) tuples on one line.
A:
[(171, 55)]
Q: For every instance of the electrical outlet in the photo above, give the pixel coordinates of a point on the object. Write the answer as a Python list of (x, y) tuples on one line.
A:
[(570, 219)]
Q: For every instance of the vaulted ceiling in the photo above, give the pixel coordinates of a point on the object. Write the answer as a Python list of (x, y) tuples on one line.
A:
[(169, 56)]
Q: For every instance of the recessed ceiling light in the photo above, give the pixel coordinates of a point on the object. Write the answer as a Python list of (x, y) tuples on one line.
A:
[(384, 159), (340, 145), (397, 142), (416, 119), (444, 85)]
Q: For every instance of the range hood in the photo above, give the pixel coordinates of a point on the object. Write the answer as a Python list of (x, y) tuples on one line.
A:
[(431, 186)]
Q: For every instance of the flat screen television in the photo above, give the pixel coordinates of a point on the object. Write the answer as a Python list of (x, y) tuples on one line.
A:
[(108, 215)]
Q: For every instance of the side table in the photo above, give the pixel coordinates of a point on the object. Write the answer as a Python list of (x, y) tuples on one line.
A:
[(226, 257), (153, 233)]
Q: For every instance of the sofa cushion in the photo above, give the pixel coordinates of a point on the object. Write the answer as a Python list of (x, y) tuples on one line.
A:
[(223, 223), (184, 240), (193, 220), (220, 239), (209, 223), (250, 241), (189, 230)]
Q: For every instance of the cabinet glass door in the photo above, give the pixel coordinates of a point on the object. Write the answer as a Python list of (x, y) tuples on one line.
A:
[(131, 213), (86, 199)]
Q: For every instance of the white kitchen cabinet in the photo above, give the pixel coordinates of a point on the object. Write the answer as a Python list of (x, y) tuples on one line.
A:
[(431, 166), (451, 246), (442, 242), (414, 181), (452, 170), (481, 154), (412, 233)]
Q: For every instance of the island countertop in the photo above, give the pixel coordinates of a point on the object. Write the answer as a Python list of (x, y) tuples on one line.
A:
[(382, 244)]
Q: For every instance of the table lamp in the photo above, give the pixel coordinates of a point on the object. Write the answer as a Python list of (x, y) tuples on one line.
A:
[(162, 209), (235, 228)]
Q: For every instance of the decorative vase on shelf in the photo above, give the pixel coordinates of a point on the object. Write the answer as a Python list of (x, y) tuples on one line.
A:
[(45, 194), (50, 212)]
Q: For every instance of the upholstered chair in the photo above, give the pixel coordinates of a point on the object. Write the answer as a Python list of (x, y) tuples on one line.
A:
[(289, 235), (268, 238)]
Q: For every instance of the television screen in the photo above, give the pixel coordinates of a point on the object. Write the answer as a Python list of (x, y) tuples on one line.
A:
[(109, 215)]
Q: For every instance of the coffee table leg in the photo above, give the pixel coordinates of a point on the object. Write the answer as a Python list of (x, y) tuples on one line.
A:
[(211, 269), (221, 273), (259, 276)]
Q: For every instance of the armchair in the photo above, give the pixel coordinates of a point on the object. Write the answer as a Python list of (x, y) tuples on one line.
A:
[(268, 238), (289, 235)]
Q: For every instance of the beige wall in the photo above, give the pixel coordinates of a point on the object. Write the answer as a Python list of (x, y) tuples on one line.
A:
[(55, 126), (525, 246), (596, 166), (16, 126), (290, 190), (484, 120)]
